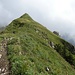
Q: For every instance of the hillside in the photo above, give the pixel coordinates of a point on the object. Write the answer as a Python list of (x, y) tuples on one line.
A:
[(34, 50)]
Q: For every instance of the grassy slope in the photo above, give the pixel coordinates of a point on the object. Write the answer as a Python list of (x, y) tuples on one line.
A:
[(29, 52)]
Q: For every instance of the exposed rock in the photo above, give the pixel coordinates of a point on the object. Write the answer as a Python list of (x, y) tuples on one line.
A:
[(0, 55), (20, 53), (47, 69), (3, 69), (11, 38), (37, 31), (57, 33), (1, 50), (5, 73), (51, 44), (0, 70)]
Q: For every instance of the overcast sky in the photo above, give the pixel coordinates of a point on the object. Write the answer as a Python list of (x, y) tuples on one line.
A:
[(56, 15)]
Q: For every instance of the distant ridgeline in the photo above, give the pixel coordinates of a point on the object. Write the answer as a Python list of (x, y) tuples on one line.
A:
[(34, 50), (2, 28)]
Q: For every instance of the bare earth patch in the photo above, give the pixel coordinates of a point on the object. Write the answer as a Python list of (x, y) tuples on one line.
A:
[(4, 63)]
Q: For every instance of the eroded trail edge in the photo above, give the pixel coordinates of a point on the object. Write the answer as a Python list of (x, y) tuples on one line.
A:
[(4, 63)]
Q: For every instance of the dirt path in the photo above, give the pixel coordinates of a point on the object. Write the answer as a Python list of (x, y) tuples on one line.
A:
[(4, 63)]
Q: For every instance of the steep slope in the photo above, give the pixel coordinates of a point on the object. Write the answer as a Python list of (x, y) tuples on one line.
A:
[(34, 50)]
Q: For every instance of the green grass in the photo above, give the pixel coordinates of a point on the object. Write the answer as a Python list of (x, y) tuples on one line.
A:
[(29, 52)]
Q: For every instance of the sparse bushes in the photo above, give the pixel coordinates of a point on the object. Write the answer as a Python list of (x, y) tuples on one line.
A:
[(67, 55)]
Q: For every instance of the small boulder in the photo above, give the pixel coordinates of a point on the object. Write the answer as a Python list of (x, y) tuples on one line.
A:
[(55, 32), (20, 53), (0, 70), (51, 44), (0, 55), (47, 69), (3, 69)]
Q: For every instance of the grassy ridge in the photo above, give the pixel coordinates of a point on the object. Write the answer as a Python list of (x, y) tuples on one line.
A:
[(29, 51)]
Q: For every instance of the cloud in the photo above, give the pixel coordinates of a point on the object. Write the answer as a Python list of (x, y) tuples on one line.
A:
[(4, 16), (69, 38), (56, 15)]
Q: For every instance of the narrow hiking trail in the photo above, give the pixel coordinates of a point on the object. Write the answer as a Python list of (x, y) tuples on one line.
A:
[(4, 63)]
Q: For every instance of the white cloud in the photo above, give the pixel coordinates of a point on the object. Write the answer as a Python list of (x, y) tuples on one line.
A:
[(54, 14), (63, 9)]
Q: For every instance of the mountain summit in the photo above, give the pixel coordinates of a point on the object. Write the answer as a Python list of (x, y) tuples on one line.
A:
[(26, 16), (34, 50)]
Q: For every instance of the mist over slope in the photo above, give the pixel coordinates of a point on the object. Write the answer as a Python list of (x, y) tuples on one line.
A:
[(69, 38)]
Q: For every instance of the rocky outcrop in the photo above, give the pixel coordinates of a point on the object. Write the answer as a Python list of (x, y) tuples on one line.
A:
[(51, 44), (57, 33)]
